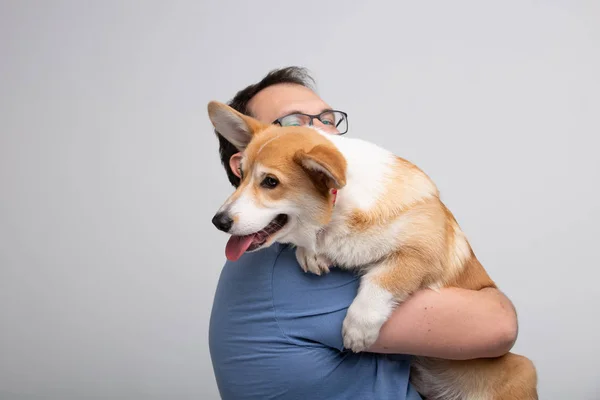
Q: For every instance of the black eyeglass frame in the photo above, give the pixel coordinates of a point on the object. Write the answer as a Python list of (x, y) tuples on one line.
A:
[(317, 116)]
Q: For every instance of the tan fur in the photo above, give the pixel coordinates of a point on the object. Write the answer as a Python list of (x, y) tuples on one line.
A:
[(325, 158), (280, 151), (407, 186), (434, 252), (510, 377), (431, 251)]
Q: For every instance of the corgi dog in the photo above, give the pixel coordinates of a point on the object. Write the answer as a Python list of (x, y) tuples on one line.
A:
[(350, 203)]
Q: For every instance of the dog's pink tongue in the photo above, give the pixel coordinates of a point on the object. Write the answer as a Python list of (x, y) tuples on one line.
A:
[(237, 245)]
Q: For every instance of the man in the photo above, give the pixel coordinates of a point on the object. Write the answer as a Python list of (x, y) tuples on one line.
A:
[(275, 332)]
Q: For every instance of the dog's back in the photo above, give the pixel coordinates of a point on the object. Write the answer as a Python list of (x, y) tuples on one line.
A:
[(391, 224)]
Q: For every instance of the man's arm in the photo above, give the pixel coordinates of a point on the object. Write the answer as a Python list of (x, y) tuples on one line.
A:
[(452, 324)]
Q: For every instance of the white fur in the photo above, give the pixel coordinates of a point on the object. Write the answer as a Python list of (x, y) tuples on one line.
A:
[(367, 313), (248, 216), (368, 167), (348, 250), (311, 262), (251, 217), (461, 251)]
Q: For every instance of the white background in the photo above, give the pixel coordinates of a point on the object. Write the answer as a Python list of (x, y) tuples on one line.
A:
[(109, 171)]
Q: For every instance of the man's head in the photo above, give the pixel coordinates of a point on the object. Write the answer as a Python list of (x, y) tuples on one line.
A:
[(280, 93)]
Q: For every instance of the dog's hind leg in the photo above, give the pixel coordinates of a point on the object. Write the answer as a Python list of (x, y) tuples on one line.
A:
[(509, 377)]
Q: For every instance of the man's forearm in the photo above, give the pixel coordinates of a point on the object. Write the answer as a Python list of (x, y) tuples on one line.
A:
[(452, 323)]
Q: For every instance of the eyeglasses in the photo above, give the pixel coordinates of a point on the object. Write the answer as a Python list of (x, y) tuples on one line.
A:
[(332, 119)]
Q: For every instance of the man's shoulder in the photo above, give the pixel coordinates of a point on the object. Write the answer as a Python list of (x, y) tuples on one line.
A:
[(253, 266), (304, 306), (292, 285), (310, 308), (279, 260)]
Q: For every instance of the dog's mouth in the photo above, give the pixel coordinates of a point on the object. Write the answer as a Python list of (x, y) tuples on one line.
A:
[(238, 245)]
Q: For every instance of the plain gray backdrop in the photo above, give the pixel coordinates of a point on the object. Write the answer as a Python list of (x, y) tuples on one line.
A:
[(109, 172)]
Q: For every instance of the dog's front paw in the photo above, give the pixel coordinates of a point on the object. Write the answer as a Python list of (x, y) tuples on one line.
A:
[(360, 328), (311, 262)]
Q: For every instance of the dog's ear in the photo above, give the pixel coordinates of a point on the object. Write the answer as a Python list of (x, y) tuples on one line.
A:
[(325, 165), (236, 127)]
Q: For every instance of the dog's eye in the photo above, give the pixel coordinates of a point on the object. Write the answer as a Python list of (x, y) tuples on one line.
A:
[(269, 182)]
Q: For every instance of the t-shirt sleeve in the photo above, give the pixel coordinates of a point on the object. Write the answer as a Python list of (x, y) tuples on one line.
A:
[(310, 309)]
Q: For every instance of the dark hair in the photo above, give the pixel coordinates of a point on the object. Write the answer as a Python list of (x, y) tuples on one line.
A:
[(292, 75)]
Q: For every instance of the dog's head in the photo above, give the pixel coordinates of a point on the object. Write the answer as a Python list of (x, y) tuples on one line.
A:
[(289, 176)]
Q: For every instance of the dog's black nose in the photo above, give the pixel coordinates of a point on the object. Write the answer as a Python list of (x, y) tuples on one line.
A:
[(222, 221)]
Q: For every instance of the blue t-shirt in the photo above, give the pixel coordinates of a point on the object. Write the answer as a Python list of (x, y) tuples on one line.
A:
[(275, 333)]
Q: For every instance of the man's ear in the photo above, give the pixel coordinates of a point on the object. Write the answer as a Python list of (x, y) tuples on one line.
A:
[(236, 127), (234, 164), (325, 165)]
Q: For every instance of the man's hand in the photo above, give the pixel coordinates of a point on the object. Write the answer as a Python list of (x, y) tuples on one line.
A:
[(453, 323)]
